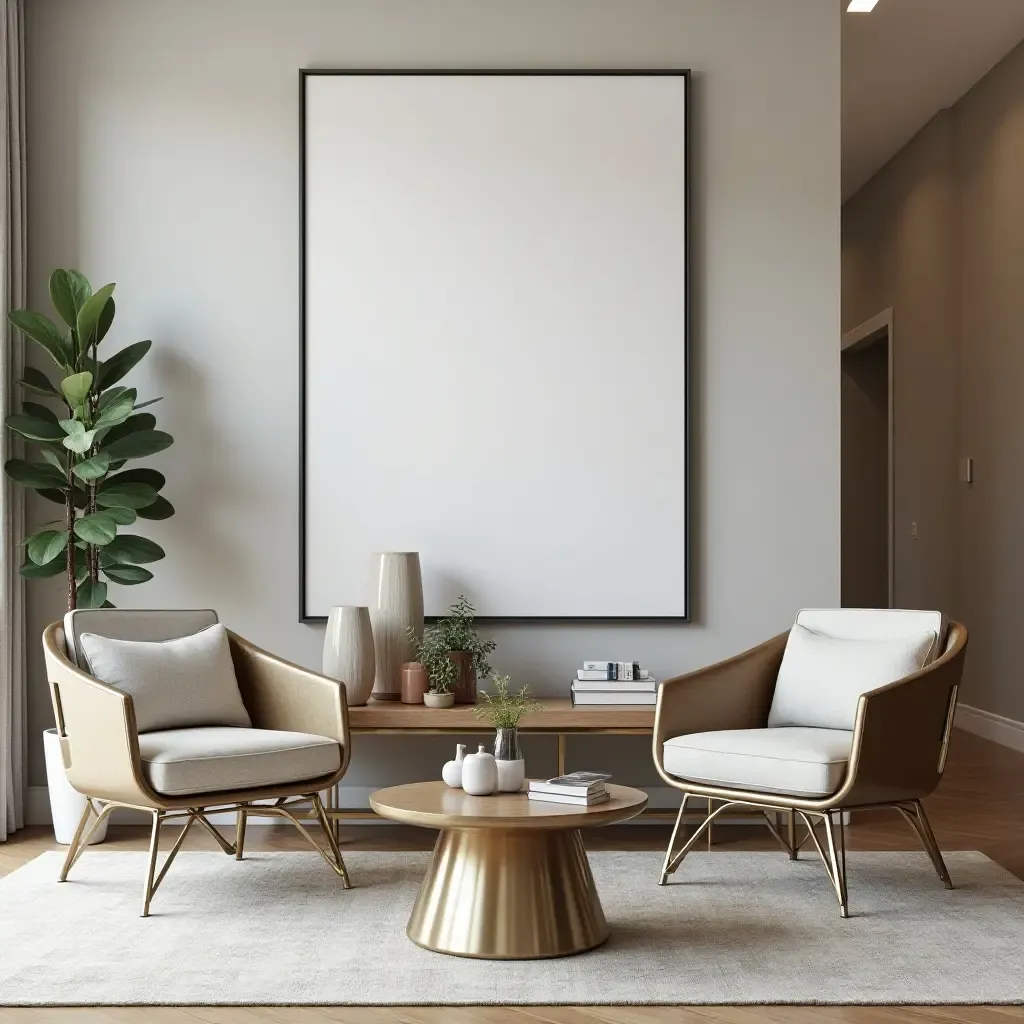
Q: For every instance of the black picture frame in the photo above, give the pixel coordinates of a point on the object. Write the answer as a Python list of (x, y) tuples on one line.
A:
[(685, 73)]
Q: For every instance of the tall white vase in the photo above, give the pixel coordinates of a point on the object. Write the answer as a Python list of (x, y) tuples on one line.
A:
[(348, 651), (396, 603)]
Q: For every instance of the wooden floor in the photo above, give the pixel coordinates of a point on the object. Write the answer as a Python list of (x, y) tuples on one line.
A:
[(980, 806)]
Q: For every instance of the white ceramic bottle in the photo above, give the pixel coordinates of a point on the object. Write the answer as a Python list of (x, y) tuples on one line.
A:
[(452, 771), (479, 773)]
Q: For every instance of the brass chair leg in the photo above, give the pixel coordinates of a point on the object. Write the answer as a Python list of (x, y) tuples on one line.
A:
[(332, 840), (227, 847), (838, 872), (672, 840), (240, 831), (81, 842), (76, 839), (794, 850), (919, 821), (154, 845)]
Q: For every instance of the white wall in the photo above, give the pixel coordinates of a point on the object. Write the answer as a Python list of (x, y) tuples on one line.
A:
[(163, 155)]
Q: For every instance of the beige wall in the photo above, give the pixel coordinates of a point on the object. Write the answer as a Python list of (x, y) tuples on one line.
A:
[(163, 156), (938, 235)]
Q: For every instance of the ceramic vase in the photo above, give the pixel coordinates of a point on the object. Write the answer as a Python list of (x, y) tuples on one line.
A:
[(452, 771), (508, 760), (396, 604), (348, 651), (479, 774), (415, 682), (439, 700), (465, 677)]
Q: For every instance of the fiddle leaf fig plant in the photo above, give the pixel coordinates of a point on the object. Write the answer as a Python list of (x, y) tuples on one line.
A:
[(79, 443)]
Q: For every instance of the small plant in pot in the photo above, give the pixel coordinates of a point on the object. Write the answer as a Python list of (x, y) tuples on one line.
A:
[(454, 653), (504, 709)]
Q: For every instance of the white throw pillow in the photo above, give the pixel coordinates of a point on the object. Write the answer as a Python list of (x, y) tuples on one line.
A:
[(174, 684), (822, 677)]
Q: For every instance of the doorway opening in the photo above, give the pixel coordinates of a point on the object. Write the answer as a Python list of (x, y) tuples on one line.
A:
[(867, 471)]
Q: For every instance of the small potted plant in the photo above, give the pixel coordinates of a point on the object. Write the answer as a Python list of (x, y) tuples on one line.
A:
[(504, 710), (454, 653)]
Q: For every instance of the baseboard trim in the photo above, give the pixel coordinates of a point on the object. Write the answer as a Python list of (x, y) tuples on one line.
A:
[(37, 809), (1007, 732)]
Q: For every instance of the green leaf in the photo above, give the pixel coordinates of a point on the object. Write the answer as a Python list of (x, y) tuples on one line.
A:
[(160, 509), (105, 320), (89, 315), (68, 292), (141, 421), (36, 380), (142, 475), (35, 474), (115, 413), (123, 516), (43, 331), (76, 387), (130, 495), (54, 460), (114, 368), (97, 528), (41, 412), (31, 571), (139, 444), (151, 401), (34, 428), (128, 574), (91, 469), (126, 547), (46, 545), (78, 441), (91, 595), (111, 394)]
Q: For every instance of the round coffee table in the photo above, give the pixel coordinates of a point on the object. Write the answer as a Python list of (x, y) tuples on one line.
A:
[(509, 879)]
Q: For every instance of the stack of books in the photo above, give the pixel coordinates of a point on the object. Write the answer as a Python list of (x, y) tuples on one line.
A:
[(581, 788), (614, 682)]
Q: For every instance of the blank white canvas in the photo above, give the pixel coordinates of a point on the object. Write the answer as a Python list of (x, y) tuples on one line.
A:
[(495, 357)]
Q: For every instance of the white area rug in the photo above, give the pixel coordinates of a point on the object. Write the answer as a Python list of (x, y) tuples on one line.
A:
[(731, 928)]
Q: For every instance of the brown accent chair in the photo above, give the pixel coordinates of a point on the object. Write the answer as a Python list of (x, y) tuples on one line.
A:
[(713, 740), (106, 758)]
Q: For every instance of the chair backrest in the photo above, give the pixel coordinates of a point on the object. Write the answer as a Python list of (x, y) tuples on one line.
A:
[(132, 624), (833, 655), (876, 624)]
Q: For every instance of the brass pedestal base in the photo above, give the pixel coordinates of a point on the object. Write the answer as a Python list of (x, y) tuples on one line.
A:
[(503, 894)]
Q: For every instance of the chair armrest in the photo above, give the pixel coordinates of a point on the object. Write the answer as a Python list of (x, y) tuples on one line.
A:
[(732, 694), (902, 731), (96, 723), (281, 695)]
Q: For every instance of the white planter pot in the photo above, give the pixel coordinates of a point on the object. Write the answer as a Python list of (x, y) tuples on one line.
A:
[(66, 803), (438, 700), (511, 775)]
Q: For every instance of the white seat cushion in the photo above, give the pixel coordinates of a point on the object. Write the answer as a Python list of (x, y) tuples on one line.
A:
[(173, 684), (177, 762), (822, 677), (800, 762)]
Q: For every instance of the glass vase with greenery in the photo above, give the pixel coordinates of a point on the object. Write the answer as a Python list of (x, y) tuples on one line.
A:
[(503, 710), (455, 634), (79, 443)]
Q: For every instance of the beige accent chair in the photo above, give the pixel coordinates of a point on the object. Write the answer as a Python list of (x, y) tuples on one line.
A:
[(297, 748), (714, 739)]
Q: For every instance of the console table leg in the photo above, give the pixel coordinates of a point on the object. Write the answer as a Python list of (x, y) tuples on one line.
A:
[(561, 753)]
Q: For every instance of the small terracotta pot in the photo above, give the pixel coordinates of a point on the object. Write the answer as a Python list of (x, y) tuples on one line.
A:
[(465, 677), (415, 682), (439, 700)]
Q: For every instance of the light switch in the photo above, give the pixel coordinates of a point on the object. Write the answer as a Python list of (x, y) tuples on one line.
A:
[(967, 470)]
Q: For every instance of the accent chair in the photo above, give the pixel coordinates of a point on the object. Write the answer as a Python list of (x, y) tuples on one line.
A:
[(285, 738), (850, 709)]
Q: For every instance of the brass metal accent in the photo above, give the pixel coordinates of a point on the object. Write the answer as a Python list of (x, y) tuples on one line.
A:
[(508, 895), (240, 822), (509, 878), (948, 729)]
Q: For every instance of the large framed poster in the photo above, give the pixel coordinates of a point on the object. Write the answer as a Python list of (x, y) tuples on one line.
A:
[(495, 316)]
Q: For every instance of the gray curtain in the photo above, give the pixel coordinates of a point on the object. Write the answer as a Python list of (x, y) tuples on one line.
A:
[(12, 296)]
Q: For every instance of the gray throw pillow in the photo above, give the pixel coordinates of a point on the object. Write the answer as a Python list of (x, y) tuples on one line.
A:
[(174, 684)]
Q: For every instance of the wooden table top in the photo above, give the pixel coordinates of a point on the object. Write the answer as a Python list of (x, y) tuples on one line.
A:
[(436, 805), (558, 716)]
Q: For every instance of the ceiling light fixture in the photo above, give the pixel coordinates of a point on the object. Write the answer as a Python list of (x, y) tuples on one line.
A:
[(861, 6)]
